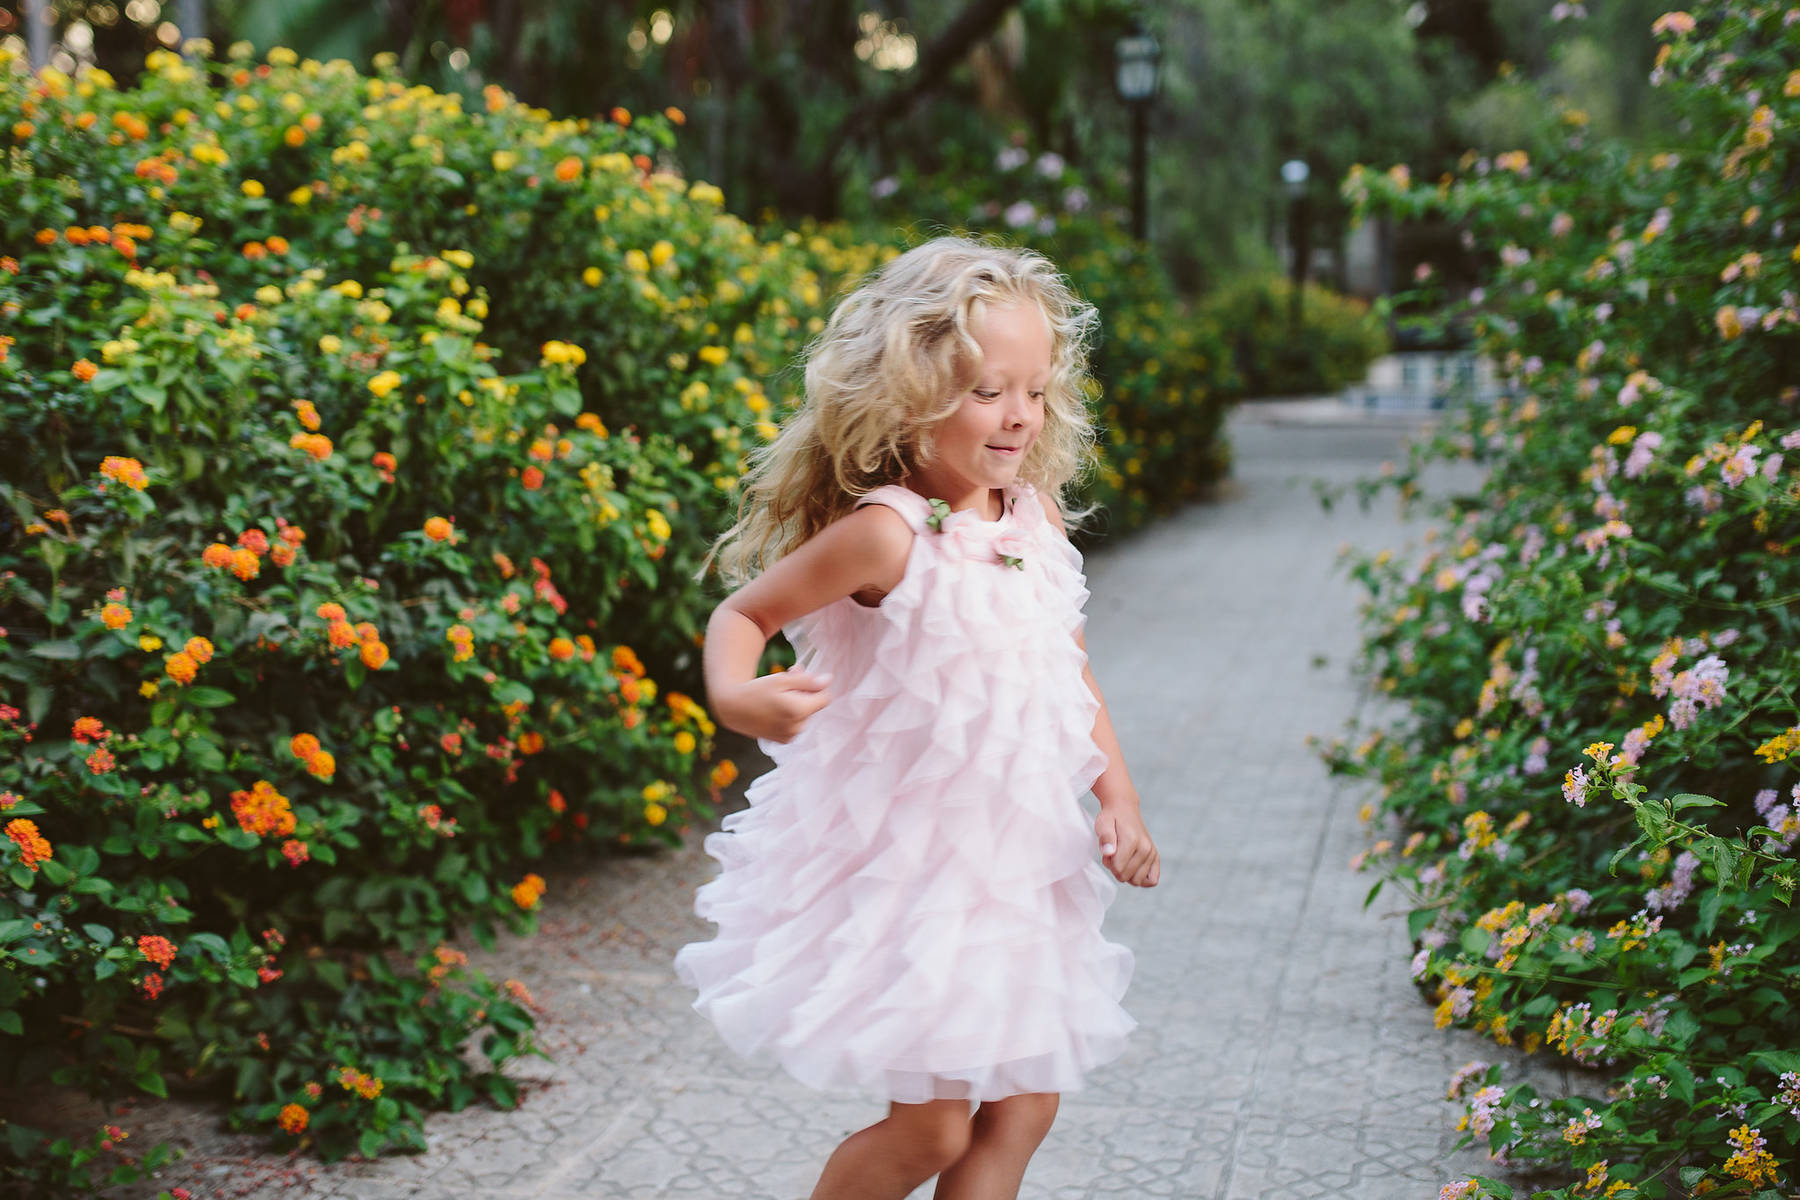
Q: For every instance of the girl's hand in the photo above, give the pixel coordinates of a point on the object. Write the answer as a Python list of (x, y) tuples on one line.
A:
[(775, 707), (1126, 848)]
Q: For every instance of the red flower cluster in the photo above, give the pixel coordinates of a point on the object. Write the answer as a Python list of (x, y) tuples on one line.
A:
[(157, 950), (545, 590)]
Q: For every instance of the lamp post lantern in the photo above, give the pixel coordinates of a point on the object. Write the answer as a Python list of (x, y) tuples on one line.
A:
[(1294, 174), (1136, 56)]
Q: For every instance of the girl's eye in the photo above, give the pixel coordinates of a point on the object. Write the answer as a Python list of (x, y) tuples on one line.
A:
[(985, 395), (1037, 395)]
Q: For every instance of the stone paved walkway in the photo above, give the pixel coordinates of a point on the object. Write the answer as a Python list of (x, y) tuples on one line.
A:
[(1283, 1050)]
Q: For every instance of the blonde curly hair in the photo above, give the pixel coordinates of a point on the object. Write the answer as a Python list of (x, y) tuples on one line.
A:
[(895, 359)]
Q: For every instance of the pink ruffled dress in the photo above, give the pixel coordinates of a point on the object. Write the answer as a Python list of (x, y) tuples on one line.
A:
[(911, 905)]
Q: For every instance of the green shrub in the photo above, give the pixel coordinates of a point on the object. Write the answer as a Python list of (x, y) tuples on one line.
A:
[(1337, 340), (1590, 800), (358, 454)]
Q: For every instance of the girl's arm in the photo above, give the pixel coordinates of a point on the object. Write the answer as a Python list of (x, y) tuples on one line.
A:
[(864, 552), (1125, 844), (1133, 857)]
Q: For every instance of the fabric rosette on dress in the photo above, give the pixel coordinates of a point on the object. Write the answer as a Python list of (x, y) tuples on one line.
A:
[(911, 905)]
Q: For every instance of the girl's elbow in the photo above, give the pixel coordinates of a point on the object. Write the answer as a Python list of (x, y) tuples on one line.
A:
[(734, 614)]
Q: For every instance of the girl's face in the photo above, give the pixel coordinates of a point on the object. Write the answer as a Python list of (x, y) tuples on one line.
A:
[(981, 445)]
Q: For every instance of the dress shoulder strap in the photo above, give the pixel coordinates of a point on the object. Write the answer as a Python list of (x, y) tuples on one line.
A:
[(911, 506)]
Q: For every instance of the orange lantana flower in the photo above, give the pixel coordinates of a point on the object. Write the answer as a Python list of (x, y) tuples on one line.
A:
[(181, 667), (34, 848)]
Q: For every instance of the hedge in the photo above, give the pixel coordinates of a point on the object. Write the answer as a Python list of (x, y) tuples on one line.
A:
[(1587, 794)]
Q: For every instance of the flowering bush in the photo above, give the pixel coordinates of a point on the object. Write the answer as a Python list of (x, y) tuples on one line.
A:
[(1591, 796), (1338, 336), (345, 435)]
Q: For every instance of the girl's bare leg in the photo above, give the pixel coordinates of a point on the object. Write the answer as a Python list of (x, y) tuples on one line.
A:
[(895, 1155), (1005, 1134)]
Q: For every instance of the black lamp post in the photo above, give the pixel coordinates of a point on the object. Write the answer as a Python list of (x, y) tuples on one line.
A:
[(1136, 55), (1294, 173)]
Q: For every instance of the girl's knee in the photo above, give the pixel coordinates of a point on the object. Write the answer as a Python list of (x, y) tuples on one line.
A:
[(936, 1135), (1025, 1116)]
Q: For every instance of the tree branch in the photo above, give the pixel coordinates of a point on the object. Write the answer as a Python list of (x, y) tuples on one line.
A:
[(950, 47)]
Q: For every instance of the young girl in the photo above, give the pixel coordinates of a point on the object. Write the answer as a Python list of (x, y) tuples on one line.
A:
[(911, 905)]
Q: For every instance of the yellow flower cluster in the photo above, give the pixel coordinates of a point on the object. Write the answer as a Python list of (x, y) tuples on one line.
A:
[(563, 354), (1781, 747)]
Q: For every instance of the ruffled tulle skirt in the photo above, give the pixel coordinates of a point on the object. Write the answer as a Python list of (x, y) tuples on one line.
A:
[(911, 906)]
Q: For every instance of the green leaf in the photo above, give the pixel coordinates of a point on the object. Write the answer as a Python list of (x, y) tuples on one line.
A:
[(105, 968), (1373, 892), (98, 933), (338, 922), (62, 650), (371, 1142), (566, 401), (213, 944), (451, 348), (252, 1079), (151, 1080), (21, 876), (503, 1091), (332, 974), (1417, 921), (1681, 1081), (55, 873), (1688, 800), (204, 754), (209, 697), (11, 1022)]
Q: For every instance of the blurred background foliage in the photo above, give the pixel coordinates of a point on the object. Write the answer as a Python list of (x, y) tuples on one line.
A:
[(798, 107)]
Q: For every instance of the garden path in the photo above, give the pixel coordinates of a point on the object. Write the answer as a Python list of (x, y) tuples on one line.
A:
[(1282, 1051)]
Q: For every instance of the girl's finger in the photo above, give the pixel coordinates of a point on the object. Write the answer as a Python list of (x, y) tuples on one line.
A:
[(805, 681)]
